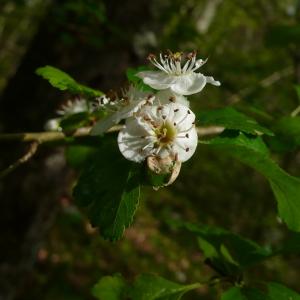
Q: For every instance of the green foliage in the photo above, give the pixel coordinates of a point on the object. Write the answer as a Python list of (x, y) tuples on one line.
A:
[(109, 190), (63, 82), (110, 288), (228, 253), (238, 293), (230, 118), (252, 151), (77, 155), (145, 287), (138, 82), (75, 121), (278, 291), (275, 292)]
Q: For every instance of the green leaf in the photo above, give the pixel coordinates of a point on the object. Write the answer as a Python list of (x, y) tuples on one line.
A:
[(138, 82), (63, 82), (77, 155), (110, 288), (228, 252), (152, 287), (238, 293), (75, 121), (252, 151), (229, 118), (108, 189), (278, 291)]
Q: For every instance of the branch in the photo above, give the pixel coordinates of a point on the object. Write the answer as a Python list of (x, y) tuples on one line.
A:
[(50, 136), (29, 154)]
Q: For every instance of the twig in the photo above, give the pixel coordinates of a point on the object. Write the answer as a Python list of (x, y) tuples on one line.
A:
[(38, 138), (29, 154)]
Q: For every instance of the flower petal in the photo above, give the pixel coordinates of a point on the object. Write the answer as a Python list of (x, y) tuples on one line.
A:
[(188, 84), (156, 79), (131, 141), (211, 80), (167, 96), (186, 147)]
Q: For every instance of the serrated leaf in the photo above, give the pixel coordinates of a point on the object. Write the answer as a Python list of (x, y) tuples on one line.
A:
[(108, 189), (228, 252), (230, 118), (238, 293), (110, 288), (252, 151), (63, 82), (278, 291), (152, 287)]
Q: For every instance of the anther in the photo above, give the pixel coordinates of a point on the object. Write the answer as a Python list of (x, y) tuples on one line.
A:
[(172, 99), (176, 110), (187, 135), (189, 112), (187, 149)]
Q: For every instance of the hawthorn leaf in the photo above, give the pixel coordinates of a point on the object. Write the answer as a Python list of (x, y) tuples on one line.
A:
[(228, 253), (153, 287), (230, 118), (252, 151), (278, 291), (110, 288), (239, 293), (109, 190), (63, 82)]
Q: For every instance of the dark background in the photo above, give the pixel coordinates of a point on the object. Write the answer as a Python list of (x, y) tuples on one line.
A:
[(48, 250)]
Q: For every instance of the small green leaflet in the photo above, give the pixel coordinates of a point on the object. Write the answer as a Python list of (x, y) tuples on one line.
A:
[(228, 253), (145, 287), (109, 190), (283, 35), (138, 82), (275, 291), (252, 151), (110, 288), (278, 291), (238, 293), (230, 118), (63, 82)]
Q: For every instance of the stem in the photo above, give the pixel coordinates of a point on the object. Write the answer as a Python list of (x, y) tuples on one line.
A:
[(29, 154)]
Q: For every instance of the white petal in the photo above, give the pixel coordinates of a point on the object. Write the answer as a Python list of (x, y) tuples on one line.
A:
[(188, 84), (211, 80), (183, 118), (186, 147), (103, 125), (167, 96), (131, 143), (156, 79)]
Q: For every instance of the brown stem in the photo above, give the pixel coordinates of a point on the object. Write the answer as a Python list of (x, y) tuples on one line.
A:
[(28, 155)]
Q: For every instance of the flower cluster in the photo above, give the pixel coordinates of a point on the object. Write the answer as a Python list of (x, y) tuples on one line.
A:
[(159, 126)]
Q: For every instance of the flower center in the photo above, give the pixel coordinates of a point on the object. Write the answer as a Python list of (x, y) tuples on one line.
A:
[(166, 133)]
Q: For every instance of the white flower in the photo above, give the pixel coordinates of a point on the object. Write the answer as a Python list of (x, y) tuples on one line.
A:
[(53, 125), (163, 131), (167, 96), (122, 108), (177, 73), (74, 107)]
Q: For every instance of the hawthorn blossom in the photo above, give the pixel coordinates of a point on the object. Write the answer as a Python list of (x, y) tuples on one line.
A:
[(74, 107), (177, 73), (165, 131), (131, 102)]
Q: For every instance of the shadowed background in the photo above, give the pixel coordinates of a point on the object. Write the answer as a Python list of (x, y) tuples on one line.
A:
[(48, 250)]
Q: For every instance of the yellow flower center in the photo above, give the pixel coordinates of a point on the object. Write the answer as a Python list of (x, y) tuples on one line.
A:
[(166, 133)]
